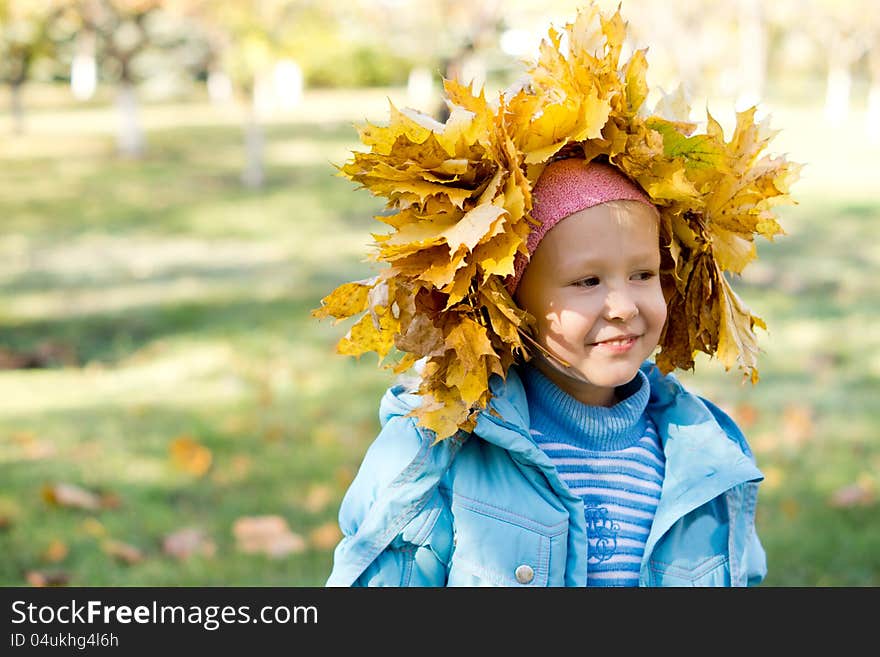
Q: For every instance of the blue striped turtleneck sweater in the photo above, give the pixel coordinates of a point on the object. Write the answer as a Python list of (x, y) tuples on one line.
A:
[(613, 459)]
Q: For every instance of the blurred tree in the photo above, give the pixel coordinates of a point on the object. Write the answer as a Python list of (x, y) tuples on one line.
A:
[(451, 38), (844, 32), (29, 31), (872, 115), (126, 31), (247, 41)]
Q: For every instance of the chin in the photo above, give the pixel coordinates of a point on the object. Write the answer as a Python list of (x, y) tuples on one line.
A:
[(612, 376)]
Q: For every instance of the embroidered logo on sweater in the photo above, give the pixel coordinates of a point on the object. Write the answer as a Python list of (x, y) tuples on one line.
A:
[(602, 533)]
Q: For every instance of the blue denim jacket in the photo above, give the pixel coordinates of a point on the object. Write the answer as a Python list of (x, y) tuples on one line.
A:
[(489, 508)]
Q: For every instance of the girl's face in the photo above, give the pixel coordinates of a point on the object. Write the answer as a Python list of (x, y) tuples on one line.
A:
[(593, 286)]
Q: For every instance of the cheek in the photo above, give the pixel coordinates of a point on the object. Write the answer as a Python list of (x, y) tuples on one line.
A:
[(656, 308), (565, 327), (572, 322)]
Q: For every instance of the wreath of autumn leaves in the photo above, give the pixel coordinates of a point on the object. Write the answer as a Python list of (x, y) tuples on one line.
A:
[(459, 200)]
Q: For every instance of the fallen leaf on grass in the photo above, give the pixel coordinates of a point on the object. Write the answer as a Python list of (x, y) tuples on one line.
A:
[(273, 433), (47, 354), (267, 535), (9, 512), (344, 476), (764, 442), (93, 527), (745, 415), (318, 497), (797, 424), (110, 500), (30, 447), (127, 554), (862, 492), (790, 508), (187, 542), (55, 552), (42, 578), (190, 456), (233, 470), (773, 477), (237, 424), (326, 536), (70, 495)]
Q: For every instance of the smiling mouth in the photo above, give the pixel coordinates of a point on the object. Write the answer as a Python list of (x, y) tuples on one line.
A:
[(625, 341)]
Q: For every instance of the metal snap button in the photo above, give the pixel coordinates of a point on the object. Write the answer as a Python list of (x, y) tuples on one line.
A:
[(524, 574)]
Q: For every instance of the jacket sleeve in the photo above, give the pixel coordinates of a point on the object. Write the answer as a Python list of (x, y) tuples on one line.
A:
[(396, 526), (754, 557), (756, 561)]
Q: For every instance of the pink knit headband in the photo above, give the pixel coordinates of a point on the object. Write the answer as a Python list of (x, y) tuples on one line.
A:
[(569, 186)]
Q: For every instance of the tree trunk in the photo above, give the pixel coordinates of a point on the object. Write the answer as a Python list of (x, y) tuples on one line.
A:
[(253, 175), (872, 116), (837, 93), (753, 53), (130, 138), (16, 108), (841, 56), (84, 68)]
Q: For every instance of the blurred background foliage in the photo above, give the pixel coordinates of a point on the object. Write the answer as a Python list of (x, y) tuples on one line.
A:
[(170, 414)]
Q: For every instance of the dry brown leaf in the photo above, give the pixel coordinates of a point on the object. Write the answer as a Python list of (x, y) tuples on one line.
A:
[(773, 478), (9, 512), (31, 448), (267, 535), (43, 578), (187, 542), (71, 495), (273, 433), (745, 415), (459, 199), (93, 527), (110, 500), (236, 424), (790, 508), (46, 354), (235, 469), (764, 442), (862, 492), (189, 455), (344, 475), (56, 551), (797, 424), (124, 552), (318, 497), (326, 536)]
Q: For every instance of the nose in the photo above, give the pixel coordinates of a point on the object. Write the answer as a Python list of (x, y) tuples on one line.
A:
[(619, 305)]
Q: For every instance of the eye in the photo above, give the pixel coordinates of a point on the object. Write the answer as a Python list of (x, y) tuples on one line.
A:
[(644, 275), (589, 281)]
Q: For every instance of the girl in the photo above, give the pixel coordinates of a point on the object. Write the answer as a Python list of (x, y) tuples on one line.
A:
[(544, 248)]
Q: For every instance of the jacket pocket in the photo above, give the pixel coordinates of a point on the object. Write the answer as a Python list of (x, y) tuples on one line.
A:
[(714, 571), (496, 547)]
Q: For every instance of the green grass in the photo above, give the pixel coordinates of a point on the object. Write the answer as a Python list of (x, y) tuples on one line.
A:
[(182, 300)]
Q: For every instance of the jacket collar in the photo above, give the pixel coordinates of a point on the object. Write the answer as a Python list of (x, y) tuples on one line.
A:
[(696, 445), (700, 455)]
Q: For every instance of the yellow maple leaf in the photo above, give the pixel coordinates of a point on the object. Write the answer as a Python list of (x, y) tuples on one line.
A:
[(189, 455), (442, 411), (636, 84), (366, 336), (459, 201), (473, 226), (346, 300), (736, 338)]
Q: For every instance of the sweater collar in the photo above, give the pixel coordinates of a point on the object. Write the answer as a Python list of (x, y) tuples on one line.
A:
[(557, 416)]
